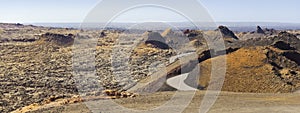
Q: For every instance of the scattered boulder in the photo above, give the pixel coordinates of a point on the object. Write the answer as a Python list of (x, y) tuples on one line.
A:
[(270, 31), (102, 34), (187, 31), (4, 40), (24, 40), (192, 33), (18, 24)]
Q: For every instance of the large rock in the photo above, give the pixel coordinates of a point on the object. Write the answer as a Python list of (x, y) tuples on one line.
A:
[(176, 39), (259, 30), (283, 45), (155, 39), (289, 38), (227, 33), (58, 39)]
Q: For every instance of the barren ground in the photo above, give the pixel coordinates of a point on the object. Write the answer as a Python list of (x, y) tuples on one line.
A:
[(226, 103)]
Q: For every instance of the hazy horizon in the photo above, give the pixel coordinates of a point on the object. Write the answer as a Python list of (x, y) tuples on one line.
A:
[(235, 26), (75, 11)]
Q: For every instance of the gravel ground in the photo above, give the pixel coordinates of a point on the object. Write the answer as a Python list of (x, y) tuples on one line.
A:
[(36, 70), (226, 103)]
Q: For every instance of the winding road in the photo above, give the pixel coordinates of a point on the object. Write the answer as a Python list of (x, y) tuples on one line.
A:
[(177, 82), (154, 82)]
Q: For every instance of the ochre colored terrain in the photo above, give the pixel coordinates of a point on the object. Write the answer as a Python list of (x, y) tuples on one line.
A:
[(248, 70)]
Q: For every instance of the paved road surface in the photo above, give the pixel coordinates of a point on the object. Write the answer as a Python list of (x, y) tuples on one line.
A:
[(177, 82)]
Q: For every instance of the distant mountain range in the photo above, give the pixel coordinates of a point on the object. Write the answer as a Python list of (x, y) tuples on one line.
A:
[(235, 26)]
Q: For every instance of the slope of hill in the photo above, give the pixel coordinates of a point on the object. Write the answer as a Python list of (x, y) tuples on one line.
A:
[(253, 70), (265, 65)]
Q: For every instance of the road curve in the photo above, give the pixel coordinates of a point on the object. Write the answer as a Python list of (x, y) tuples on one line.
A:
[(177, 82), (174, 58), (154, 82)]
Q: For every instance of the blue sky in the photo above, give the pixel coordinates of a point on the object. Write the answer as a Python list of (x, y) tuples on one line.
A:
[(68, 11)]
